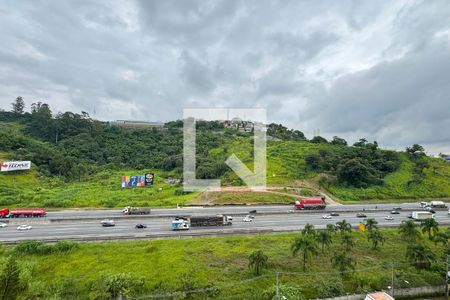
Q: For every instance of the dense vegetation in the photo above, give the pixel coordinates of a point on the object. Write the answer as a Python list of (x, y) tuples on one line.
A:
[(78, 161), (240, 267)]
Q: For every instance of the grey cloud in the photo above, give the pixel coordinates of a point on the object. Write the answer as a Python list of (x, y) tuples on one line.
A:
[(353, 68)]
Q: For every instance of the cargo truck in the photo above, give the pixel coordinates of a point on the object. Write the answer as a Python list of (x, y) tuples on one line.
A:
[(22, 212), (129, 210), (184, 223), (433, 204), (421, 215), (311, 203)]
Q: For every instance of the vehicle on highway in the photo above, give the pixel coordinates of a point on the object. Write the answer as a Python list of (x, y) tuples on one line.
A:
[(397, 208), (326, 217), (389, 218), (140, 226), (22, 212), (361, 215), (3, 225), (433, 204), (248, 218), (449, 211), (409, 215), (430, 209), (252, 212), (24, 227), (129, 210), (334, 214), (184, 223), (311, 203), (395, 212), (422, 215), (108, 223)]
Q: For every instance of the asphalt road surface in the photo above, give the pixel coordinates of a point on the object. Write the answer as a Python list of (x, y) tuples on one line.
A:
[(199, 210), (159, 227)]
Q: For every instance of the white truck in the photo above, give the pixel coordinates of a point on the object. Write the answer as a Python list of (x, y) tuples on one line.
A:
[(421, 215), (433, 204)]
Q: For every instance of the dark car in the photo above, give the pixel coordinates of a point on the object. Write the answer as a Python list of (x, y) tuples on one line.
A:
[(140, 226), (252, 212), (409, 215), (395, 212), (360, 215), (334, 214), (397, 208)]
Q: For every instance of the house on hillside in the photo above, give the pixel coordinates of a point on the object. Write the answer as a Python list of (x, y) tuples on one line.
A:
[(378, 296)]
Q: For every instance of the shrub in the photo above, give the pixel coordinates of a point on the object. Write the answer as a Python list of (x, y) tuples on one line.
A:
[(41, 248)]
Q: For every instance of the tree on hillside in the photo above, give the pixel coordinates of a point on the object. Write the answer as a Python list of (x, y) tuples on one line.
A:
[(343, 226), (356, 172), (309, 229), (318, 140), (376, 237), (18, 105), (323, 237), (257, 261), (429, 226), (307, 246), (343, 263), (409, 231), (10, 279), (348, 241), (419, 255), (338, 141), (415, 151), (371, 224), (361, 143)]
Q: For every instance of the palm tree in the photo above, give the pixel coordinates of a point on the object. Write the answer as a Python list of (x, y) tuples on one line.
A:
[(309, 229), (430, 226), (348, 240), (307, 246), (331, 228), (442, 237), (343, 226), (323, 237), (343, 262), (371, 223), (408, 230), (375, 236), (419, 255), (257, 261)]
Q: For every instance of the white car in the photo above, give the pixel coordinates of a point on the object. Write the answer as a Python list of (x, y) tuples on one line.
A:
[(248, 218), (326, 217), (3, 225), (24, 227), (108, 223), (389, 218)]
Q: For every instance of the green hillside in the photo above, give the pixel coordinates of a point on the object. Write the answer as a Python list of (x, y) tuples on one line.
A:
[(78, 162)]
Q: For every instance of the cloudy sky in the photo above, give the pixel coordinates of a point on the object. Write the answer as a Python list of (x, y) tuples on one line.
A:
[(374, 69)]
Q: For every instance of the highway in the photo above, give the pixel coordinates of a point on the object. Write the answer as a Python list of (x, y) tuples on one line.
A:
[(58, 225)]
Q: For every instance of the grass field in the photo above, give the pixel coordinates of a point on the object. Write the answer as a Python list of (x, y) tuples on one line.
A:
[(176, 264), (243, 198), (101, 190)]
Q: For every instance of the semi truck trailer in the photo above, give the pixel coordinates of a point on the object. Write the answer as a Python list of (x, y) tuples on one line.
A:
[(311, 203), (129, 210), (421, 215), (22, 212), (184, 223)]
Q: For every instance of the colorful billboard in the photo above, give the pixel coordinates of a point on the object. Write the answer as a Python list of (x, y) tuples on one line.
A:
[(15, 165), (138, 180)]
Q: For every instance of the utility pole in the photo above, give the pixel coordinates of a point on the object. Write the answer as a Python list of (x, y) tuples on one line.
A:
[(276, 291)]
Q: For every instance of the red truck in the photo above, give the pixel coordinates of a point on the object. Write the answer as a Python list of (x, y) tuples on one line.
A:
[(311, 203), (22, 212)]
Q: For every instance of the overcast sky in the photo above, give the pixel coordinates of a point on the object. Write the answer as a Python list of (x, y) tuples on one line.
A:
[(374, 69)]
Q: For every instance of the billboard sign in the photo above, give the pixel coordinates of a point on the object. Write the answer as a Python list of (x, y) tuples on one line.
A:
[(149, 179), (138, 180), (15, 165)]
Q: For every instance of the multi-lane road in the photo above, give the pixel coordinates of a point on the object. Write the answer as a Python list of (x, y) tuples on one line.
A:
[(85, 225)]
